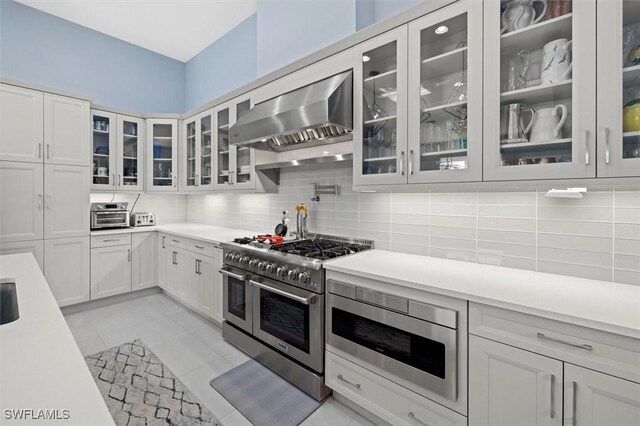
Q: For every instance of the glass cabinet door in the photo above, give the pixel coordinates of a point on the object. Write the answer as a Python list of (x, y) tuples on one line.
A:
[(242, 176), (162, 152), (190, 173), (539, 71), (380, 119), (206, 150), (445, 95), (130, 154), (223, 156), (619, 88), (103, 151)]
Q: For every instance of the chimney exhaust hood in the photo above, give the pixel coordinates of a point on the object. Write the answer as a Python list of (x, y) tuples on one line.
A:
[(317, 114)]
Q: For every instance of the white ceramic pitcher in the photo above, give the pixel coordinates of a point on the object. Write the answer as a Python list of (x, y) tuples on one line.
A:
[(548, 123), (520, 14), (556, 61)]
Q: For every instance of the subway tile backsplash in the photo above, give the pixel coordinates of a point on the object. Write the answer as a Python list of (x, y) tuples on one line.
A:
[(168, 208), (597, 236)]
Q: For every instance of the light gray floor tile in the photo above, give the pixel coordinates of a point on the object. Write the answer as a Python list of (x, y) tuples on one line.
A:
[(198, 382), (117, 337), (159, 331), (80, 326), (235, 419), (189, 321), (209, 335), (163, 304), (91, 346), (331, 412), (184, 354), (232, 354)]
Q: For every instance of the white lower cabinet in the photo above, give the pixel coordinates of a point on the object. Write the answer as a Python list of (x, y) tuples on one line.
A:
[(509, 386), (593, 399), (34, 247), (69, 281), (384, 398), (143, 260), (110, 271), (192, 277)]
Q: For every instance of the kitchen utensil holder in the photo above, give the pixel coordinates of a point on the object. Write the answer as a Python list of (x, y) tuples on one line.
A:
[(324, 189)]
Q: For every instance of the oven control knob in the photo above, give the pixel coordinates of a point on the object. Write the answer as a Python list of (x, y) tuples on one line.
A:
[(227, 257), (235, 257), (244, 260), (253, 263), (303, 278), (262, 266), (280, 272), (271, 268), (293, 275)]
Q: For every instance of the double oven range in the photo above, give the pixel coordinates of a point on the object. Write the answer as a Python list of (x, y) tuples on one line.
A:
[(274, 303)]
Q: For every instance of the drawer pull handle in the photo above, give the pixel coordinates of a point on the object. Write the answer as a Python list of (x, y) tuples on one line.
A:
[(542, 336), (355, 385), (199, 247), (413, 416), (110, 240), (175, 241), (552, 406)]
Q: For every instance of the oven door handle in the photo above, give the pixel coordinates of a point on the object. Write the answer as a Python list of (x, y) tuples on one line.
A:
[(304, 300), (232, 275)]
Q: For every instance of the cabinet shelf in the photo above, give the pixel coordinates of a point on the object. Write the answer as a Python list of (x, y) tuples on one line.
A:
[(163, 159), (206, 132), (382, 76), (223, 127), (537, 94), (163, 138), (379, 159), (377, 120), (447, 153), (101, 155), (191, 136), (535, 36), (130, 158), (101, 177), (130, 136), (446, 63), (631, 134), (631, 76), (438, 112), (536, 146), (161, 178), (100, 132)]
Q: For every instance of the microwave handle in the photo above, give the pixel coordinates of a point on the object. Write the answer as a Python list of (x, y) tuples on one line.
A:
[(304, 300)]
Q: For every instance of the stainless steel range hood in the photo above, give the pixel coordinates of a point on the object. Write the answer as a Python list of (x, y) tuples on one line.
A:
[(320, 113)]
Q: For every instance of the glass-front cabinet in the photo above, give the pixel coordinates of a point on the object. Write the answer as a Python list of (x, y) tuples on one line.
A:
[(380, 113), (618, 88), (445, 95), (539, 89), (197, 152), (117, 152), (234, 167), (162, 154)]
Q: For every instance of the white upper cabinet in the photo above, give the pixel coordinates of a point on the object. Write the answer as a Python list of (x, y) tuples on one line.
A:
[(445, 95), (21, 124), (539, 90), (235, 166), (22, 195), (197, 152), (130, 153), (66, 131), (162, 154), (103, 150), (66, 201), (618, 88), (380, 110)]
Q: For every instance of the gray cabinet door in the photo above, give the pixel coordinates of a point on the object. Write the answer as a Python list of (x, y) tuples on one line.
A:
[(559, 84), (510, 386), (594, 399)]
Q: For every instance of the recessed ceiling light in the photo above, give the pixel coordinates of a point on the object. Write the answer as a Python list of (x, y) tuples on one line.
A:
[(263, 140), (442, 29), (366, 58)]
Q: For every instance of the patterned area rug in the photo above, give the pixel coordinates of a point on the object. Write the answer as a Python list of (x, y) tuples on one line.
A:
[(141, 390)]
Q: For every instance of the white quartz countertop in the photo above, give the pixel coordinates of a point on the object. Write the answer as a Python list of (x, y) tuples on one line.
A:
[(41, 367), (597, 304), (213, 234)]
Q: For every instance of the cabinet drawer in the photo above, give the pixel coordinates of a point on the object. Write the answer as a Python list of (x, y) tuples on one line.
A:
[(614, 354), (110, 240), (176, 241), (384, 398), (206, 249)]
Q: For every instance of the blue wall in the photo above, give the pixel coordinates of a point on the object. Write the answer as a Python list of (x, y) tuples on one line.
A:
[(40, 48), (224, 65), (291, 29)]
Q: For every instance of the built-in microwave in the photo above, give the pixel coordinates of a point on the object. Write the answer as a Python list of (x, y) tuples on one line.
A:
[(412, 340)]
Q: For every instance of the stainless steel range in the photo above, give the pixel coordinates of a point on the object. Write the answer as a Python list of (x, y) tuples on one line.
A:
[(274, 302)]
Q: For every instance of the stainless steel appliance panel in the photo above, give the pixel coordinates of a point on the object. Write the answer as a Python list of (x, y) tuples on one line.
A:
[(290, 320), (237, 298), (445, 384)]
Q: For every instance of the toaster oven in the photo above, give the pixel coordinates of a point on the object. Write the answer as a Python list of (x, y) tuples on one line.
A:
[(109, 215)]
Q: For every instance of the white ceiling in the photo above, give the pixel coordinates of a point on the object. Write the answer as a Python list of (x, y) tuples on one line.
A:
[(179, 29)]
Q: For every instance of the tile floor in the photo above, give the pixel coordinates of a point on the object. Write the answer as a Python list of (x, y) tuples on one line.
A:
[(191, 347)]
